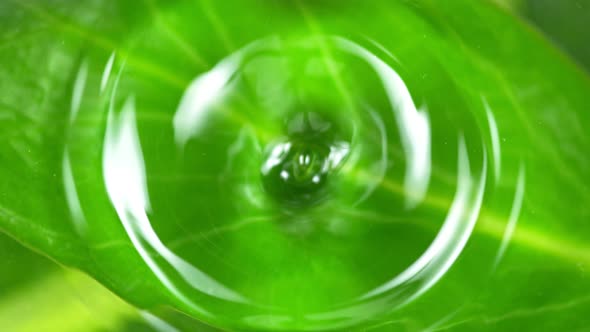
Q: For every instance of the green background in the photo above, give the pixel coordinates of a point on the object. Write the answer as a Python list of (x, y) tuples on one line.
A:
[(542, 286)]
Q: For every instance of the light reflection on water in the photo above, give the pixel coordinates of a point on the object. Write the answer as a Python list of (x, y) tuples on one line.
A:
[(364, 146)]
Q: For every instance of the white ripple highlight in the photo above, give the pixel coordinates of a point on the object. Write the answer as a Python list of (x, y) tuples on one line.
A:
[(452, 237), (125, 180), (495, 138), (514, 214), (413, 124)]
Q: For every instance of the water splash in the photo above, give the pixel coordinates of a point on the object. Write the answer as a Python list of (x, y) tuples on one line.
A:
[(279, 165)]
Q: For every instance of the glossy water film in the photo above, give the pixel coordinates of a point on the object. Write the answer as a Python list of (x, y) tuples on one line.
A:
[(302, 178)]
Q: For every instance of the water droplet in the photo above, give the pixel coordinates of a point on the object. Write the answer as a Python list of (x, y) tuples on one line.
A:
[(296, 172)]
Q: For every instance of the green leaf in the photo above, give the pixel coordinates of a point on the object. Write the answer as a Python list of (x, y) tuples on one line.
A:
[(93, 174)]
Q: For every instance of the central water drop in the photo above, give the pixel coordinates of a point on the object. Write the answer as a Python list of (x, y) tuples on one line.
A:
[(297, 168), (296, 172)]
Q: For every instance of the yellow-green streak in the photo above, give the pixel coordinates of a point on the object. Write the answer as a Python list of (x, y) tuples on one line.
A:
[(490, 224), (107, 45), (64, 301), (175, 36)]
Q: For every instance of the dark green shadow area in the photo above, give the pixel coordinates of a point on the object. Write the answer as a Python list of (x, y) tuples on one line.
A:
[(565, 22)]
